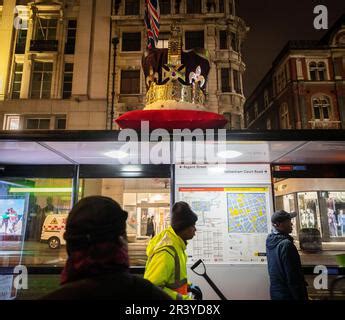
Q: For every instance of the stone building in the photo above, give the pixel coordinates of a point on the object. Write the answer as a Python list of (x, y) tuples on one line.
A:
[(54, 64), (212, 25), (305, 87), (57, 59)]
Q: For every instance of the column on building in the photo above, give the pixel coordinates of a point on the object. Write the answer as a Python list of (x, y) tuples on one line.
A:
[(82, 50), (100, 50), (6, 36)]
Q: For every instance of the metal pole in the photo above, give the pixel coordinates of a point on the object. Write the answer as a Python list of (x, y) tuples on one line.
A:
[(75, 185)]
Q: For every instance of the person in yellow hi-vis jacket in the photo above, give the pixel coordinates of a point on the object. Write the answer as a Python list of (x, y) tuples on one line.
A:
[(166, 266)]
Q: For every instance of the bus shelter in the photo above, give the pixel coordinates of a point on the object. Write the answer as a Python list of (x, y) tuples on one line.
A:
[(233, 180)]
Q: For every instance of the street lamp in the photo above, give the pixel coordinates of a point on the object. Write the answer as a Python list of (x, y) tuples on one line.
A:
[(115, 42)]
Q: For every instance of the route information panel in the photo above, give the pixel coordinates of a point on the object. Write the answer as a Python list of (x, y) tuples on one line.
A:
[(232, 226)]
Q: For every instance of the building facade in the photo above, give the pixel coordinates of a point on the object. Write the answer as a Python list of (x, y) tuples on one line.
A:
[(54, 64), (305, 88), (57, 59), (212, 25)]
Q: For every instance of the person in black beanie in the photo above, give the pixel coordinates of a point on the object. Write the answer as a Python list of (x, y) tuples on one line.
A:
[(97, 267), (166, 266)]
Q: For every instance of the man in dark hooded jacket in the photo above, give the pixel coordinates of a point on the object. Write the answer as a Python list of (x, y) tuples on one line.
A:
[(284, 263), (97, 267)]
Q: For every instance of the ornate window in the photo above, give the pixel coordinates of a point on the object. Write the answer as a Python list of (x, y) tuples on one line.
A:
[(317, 71), (321, 108)]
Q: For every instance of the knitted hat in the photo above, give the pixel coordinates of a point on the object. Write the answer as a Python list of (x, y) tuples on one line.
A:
[(281, 216), (182, 216), (94, 219)]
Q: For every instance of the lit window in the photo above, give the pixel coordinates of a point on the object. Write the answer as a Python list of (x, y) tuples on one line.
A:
[(163, 40), (12, 122)]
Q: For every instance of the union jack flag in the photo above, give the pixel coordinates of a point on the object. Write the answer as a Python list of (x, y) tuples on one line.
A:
[(152, 15)]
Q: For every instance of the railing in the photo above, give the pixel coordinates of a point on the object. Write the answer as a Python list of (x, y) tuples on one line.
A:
[(44, 45)]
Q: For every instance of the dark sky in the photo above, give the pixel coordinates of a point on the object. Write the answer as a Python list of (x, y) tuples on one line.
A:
[(272, 23)]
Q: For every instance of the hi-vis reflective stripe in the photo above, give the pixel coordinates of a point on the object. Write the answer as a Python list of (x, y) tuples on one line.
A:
[(180, 285)]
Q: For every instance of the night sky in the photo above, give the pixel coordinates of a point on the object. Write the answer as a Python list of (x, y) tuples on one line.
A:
[(272, 23)]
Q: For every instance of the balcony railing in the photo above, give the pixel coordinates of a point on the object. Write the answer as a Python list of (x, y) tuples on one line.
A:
[(44, 45), (325, 124)]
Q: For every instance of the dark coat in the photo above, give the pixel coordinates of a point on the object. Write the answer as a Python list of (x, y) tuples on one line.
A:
[(285, 269), (116, 286)]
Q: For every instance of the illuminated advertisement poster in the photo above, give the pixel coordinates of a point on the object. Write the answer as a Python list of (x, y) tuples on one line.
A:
[(12, 229)]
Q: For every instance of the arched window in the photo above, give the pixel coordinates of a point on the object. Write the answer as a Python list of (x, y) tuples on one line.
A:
[(284, 116), (317, 71), (321, 108)]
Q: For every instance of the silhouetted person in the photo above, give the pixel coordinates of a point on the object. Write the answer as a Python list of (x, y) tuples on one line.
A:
[(98, 266), (284, 263), (150, 231)]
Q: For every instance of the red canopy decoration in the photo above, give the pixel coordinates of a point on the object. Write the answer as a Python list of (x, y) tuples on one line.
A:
[(172, 119)]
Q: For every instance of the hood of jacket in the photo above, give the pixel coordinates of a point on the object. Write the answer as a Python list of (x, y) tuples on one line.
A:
[(166, 238), (275, 238)]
